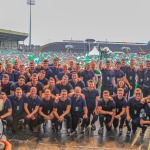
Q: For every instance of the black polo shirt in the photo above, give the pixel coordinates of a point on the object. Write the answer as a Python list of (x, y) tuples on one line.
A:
[(7, 105), (80, 83), (90, 97), (17, 104), (67, 87), (77, 105), (134, 107), (120, 103), (62, 106), (24, 87), (32, 102), (107, 76), (47, 105), (107, 106)]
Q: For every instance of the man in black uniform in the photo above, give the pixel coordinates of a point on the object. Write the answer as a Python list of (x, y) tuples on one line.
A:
[(46, 109), (18, 113), (145, 116), (61, 111), (6, 110), (134, 107), (78, 109), (107, 110), (91, 95), (31, 107), (121, 104)]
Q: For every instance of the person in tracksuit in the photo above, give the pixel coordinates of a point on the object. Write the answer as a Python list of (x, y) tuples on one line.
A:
[(134, 107), (107, 110), (121, 103), (78, 110)]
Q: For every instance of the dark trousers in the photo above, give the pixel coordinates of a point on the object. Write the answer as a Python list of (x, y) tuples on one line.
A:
[(108, 88), (95, 117), (58, 124), (32, 123), (8, 120), (135, 124), (75, 120), (131, 91), (122, 120), (106, 119), (146, 91), (16, 120)]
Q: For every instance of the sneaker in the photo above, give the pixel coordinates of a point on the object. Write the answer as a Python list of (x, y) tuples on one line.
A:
[(100, 131), (73, 132), (93, 127), (143, 130), (82, 130), (120, 131), (128, 134), (68, 132)]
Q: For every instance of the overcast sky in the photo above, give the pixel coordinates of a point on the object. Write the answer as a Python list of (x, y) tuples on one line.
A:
[(56, 20)]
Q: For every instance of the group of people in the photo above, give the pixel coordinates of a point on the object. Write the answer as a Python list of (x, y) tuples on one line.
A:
[(116, 96)]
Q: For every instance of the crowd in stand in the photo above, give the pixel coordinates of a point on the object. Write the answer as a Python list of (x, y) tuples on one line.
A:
[(52, 91)]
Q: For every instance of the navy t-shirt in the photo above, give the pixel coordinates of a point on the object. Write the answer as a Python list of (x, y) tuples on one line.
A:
[(39, 87), (47, 105), (7, 105), (55, 71), (77, 105), (67, 87), (48, 72), (130, 75), (107, 106), (147, 77), (55, 91), (61, 74), (134, 107), (120, 103), (87, 75), (140, 75), (44, 81), (24, 87), (118, 74), (80, 83), (90, 97), (17, 104), (107, 76), (6, 87), (32, 102), (61, 106)]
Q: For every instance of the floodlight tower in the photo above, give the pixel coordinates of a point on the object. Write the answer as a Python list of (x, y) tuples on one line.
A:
[(30, 2)]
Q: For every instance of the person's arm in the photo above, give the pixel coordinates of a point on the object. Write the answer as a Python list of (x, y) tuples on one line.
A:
[(127, 82), (113, 81), (67, 111), (104, 112), (41, 113), (55, 113), (35, 110), (121, 113), (128, 114), (12, 92), (113, 117), (26, 108), (7, 114), (85, 112)]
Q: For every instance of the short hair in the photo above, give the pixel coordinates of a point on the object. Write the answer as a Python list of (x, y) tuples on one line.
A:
[(65, 76), (6, 76), (77, 88), (43, 71), (34, 75), (18, 88), (74, 72), (90, 81), (2, 93), (32, 62), (63, 91), (51, 79), (137, 90), (22, 77), (120, 89), (9, 65), (46, 60), (106, 92), (47, 90)]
